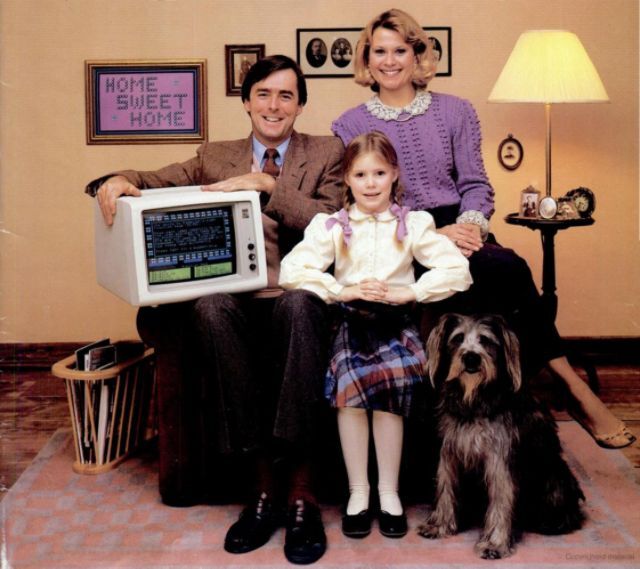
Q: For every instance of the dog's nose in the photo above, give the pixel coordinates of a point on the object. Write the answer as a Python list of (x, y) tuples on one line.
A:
[(471, 361)]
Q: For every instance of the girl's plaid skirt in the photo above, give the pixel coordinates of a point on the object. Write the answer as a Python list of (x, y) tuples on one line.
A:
[(378, 357)]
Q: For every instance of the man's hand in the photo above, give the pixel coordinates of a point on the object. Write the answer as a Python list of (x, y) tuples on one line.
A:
[(110, 191), (258, 181), (466, 236)]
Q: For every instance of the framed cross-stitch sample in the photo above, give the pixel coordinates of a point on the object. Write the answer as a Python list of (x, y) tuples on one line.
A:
[(146, 101)]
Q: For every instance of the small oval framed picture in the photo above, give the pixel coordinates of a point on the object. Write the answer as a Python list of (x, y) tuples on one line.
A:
[(510, 153), (548, 208)]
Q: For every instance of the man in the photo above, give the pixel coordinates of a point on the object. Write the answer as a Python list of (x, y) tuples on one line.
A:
[(234, 339), (316, 53)]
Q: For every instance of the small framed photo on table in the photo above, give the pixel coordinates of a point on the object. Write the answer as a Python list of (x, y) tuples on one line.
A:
[(529, 198), (567, 209), (547, 208), (238, 61), (146, 101)]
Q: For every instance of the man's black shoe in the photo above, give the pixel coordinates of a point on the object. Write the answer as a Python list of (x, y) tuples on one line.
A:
[(254, 527), (305, 541)]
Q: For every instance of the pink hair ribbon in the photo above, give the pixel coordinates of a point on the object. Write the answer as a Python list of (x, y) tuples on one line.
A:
[(401, 216), (343, 220)]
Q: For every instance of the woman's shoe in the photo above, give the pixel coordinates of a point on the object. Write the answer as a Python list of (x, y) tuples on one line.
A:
[(357, 525), (618, 439), (392, 526), (621, 438)]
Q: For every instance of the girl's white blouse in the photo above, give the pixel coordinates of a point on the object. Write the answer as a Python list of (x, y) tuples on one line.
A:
[(375, 252)]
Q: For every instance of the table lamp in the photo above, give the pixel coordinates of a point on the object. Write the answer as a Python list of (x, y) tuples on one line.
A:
[(548, 66)]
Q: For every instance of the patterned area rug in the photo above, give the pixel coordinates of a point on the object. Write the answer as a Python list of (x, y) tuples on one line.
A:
[(57, 519)]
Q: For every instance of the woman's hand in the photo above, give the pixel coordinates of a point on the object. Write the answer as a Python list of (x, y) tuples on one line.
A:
[(466, 236)]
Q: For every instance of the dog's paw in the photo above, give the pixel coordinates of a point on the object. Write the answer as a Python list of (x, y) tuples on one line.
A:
[(432, 530), (487, 550)]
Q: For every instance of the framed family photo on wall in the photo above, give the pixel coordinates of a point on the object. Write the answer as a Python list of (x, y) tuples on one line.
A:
[(238, 61), (329, 52), (146, 101), (440, 39), (326, 52)]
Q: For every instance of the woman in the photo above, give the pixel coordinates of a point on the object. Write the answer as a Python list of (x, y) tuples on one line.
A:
[(438, 141)]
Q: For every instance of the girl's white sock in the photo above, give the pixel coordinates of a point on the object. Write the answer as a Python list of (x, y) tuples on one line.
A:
[(390, 501), (387, 435), (358, 499), (353, 425)]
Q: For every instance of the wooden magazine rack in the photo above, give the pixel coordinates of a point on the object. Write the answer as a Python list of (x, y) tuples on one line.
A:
[(110, 410)]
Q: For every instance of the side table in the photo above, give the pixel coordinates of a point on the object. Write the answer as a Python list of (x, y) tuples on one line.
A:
[(548, 229)]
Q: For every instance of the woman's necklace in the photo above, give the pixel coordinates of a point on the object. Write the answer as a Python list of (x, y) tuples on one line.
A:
[(418, 106)]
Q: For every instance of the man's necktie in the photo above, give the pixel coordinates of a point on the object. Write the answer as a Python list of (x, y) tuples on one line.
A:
[(270, 167)]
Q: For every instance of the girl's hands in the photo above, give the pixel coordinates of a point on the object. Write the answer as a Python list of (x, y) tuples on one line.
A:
[(374, 290), (400, 295)]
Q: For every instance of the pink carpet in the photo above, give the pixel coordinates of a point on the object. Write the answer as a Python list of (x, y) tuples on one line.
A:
[(53, 518)]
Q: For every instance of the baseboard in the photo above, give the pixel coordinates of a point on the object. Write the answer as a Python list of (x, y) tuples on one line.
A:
[(599, 351), (35, 355), (605, 350)]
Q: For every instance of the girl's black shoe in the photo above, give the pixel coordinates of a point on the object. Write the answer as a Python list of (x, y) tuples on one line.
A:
[(392, 526), (357, 525)]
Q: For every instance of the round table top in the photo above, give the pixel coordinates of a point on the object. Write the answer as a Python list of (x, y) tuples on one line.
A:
[(540, 223)]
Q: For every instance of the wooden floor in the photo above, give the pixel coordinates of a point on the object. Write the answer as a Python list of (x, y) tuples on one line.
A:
[(33, 405)]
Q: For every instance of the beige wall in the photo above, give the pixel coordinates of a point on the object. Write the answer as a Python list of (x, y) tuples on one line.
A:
[(48, 289)]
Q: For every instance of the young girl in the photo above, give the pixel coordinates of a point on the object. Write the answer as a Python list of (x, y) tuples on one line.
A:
[(377, 353)]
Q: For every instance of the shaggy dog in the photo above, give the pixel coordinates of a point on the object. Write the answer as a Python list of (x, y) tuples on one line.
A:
[(497, 437)]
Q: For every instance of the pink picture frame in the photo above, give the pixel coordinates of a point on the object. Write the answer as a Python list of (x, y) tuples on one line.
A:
[(146, 101)]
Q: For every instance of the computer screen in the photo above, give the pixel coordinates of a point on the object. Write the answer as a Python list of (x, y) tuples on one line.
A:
[(186, 245)]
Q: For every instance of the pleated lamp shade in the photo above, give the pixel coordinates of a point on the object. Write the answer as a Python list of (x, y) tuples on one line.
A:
[(548, 66)]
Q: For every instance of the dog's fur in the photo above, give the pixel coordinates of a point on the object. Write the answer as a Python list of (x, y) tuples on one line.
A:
[(495, 434)]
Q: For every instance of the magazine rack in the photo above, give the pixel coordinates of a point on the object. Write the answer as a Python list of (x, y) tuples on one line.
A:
[(110, 410)]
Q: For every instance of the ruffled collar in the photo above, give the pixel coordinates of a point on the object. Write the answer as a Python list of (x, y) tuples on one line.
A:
[(357, 214), (418, 106), (394, 213)]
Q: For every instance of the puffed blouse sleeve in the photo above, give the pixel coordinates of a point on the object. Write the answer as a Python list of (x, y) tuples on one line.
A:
[(448, 268), (305, 266)]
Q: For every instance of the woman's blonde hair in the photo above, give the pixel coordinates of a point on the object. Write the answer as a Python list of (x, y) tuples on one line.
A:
[(373, 142), (411, 33)]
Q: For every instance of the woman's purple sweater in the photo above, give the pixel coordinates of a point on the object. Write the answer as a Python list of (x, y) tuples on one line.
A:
[(439, 153)]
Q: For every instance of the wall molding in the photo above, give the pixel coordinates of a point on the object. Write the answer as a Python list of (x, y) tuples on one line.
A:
[(39, 356), (599, 351)]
